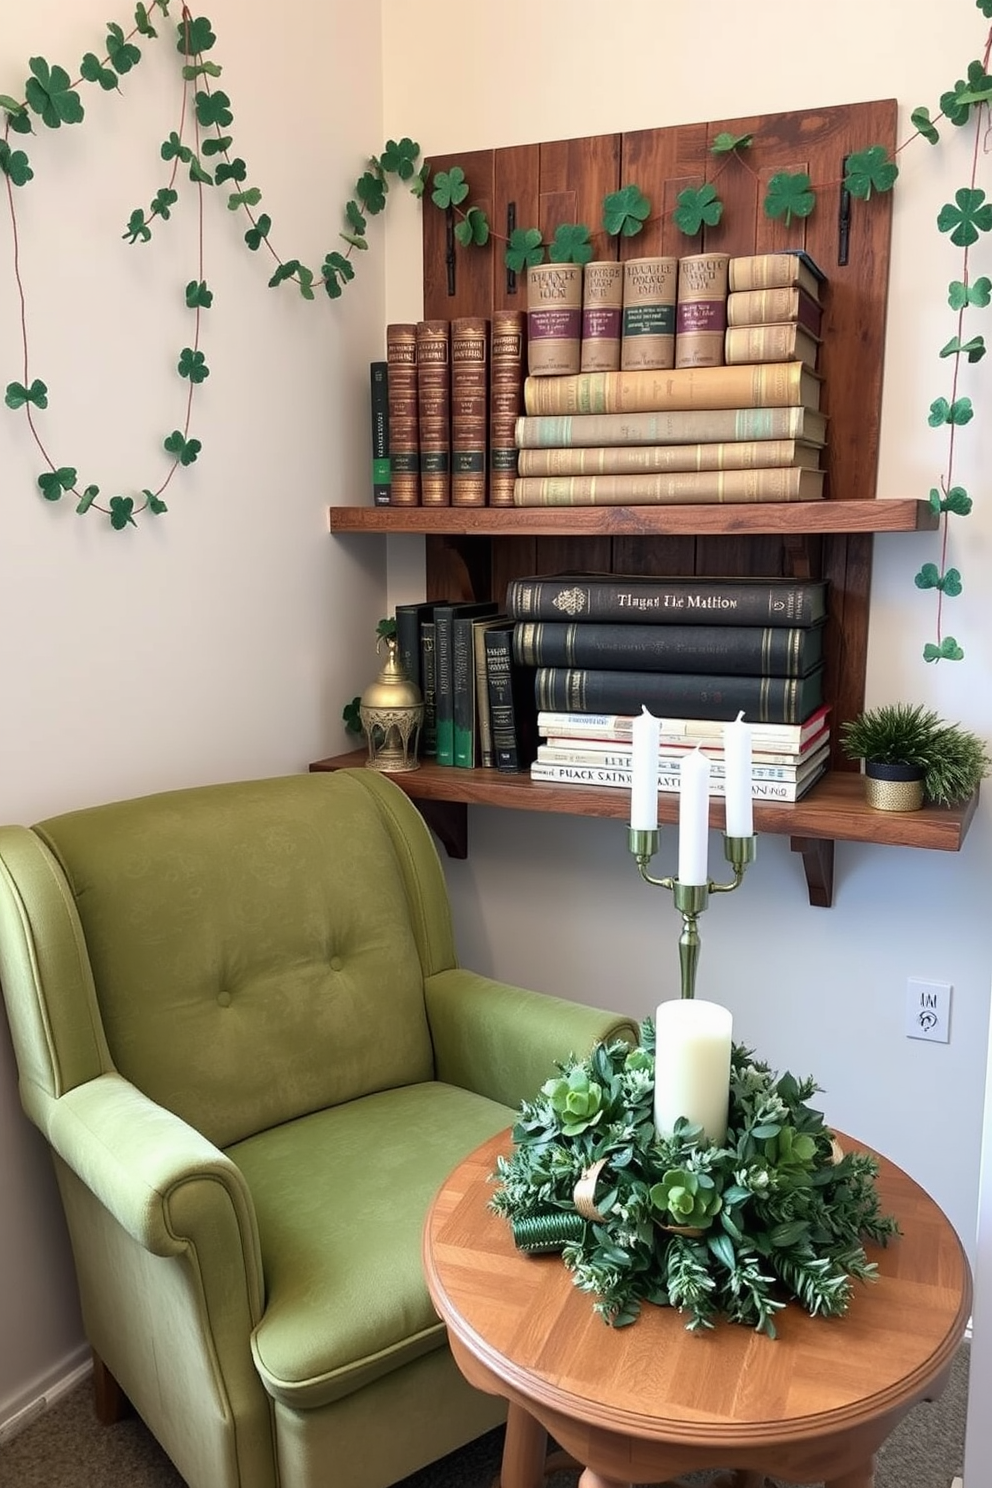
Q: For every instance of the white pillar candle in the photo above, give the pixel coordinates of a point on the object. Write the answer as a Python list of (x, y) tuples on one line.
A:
[(694, 818), (737, 763), (692, 1066), (644, 772)]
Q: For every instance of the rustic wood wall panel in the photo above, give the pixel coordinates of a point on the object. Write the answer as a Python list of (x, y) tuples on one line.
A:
[(445, 260), (516, 197)]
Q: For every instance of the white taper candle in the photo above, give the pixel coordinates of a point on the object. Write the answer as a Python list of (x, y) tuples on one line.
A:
[(692, 1066), (738, 765), (694, 818), (644, 772)]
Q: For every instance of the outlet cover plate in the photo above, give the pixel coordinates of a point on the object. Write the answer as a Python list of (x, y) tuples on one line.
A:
[(928, 1010)]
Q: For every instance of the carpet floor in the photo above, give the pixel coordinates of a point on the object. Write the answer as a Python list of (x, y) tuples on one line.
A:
[(68, 1448)]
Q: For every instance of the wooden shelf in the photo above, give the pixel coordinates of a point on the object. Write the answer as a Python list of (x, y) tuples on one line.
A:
[(884, 515), (834, 810)]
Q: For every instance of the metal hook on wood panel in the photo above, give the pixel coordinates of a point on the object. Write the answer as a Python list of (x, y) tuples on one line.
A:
[(449, 248)]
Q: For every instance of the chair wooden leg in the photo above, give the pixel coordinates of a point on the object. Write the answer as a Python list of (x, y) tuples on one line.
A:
[(109, 1400)]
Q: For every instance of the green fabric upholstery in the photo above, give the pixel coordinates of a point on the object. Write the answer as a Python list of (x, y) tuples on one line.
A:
[(240, 1023)]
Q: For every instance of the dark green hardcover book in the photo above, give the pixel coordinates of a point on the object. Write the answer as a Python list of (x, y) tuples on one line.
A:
[(512, 702), (471, 702), (379, 401), (463, 684), (444, 615), (409, 618), (620, 599), (769, 650), (428, 686), (679, 694)]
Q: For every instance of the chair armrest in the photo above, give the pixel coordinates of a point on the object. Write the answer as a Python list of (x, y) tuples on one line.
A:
[(504, 1042), (163, 1182)]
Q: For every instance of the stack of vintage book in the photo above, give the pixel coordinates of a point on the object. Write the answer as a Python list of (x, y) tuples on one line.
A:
[(749, 430), (695, 652)]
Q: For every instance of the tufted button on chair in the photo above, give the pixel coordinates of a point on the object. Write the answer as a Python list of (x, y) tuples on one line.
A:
[(240, 1023)]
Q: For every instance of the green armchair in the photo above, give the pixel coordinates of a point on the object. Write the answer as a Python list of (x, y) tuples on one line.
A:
[(239, 1022)]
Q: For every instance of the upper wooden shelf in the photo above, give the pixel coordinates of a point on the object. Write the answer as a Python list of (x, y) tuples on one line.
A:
[(895, 514)]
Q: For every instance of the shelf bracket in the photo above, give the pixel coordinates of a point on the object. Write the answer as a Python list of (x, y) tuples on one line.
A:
[(818, 865), (448, 820)]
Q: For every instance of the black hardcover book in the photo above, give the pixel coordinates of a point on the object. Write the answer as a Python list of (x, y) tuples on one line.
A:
[(428, 686), (379, 397), (444, 697), (770, 651), (679, 694), (409, 649), (512, 702), (620, 599)]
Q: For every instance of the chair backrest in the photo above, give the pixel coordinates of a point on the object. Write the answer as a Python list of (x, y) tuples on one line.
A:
[(257, 950)]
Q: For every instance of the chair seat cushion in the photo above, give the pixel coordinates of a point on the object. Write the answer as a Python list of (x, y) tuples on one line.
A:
[(341, 1196)]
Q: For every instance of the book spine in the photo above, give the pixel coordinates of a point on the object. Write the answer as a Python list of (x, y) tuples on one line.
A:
[(701, 309), (502, 712), (647, 339), (462, 692), (668, 782), (443, 695), (434, 410), (404, 425), (379, 410), (622, 759), (469, 409), (775, 271), (762, 699), (554, 319), (408, 619), (593, 749), (486, 758), (771, 306), (787, 483), (764, 385), (428, 686), (771, 651), (507, 362), (689, 731), (698, 426), (771, 343), (627, 459), (602, 315), (679, 600)]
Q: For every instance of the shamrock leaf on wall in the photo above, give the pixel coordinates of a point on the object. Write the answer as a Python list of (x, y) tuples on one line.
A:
[(15, 165), (625, 211), (54, 483), (789, 195), (49, 93), (965, 217), (18, 395), (524, 249), (570, 244), (870, 170), (697, 206)]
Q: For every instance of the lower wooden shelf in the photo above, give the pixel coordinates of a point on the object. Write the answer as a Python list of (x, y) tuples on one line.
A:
[(833, 811)]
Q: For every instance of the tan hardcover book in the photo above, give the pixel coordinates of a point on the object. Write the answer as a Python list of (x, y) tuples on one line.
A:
[(787, 483), (554, 319), (776, 271), (692, 426), (628, 459), (701, 310), (752, 385), (602, 314), (507, 370), (434, 410), (469, 409), (771, 343), (404, 424), (648, 334), (769, 306)]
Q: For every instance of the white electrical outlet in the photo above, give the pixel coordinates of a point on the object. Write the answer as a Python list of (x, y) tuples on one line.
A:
[(928, 1010)]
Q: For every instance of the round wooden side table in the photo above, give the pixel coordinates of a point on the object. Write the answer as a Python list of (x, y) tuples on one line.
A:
[(645, 1403)]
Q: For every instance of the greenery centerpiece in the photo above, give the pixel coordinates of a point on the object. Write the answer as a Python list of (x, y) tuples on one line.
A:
[(776, 1212), (949, 761)]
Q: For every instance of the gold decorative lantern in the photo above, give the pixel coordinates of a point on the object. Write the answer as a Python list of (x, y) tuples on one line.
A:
[(392, 711)]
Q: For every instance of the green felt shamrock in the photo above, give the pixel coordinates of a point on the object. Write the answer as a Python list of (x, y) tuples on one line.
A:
[(163, 201), (371, 192), (213, 108), (154, 503), (450, 188), (921, 121), (197, 172), (123, 54), (193, 364), (194, 35), (943, 412), (474, 228), (55, 483), (284, 271), (256, 235), (351, 713), (697, 205), (18, 118), (198, 296), (185, 450), (137, 227), (304, 278), (201, 69), (870, 170), (960, 294), (956, 102), (49, 93), (355, 219), (249, 198), (789, 195), (18, 394), (985, 6), (15, 165), (966, 217), (974, 349), (930, 577), (93, 70), (948, 650), (142, 22), (625, 211), (524, 249), (957, 501), (231, 170), (87, 499), (337, 271), (570, 244), (724, 143), (121, 509), (216, 144), (401, 158), (174, 149)]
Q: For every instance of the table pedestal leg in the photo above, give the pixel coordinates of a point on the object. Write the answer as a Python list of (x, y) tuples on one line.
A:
[(590, 1479), (860, 1477), (525, 1450)]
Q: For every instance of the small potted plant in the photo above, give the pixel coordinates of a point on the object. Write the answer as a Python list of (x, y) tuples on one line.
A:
[(911, 755)]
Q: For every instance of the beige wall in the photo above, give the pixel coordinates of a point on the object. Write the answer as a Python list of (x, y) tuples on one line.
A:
[(221, 641)]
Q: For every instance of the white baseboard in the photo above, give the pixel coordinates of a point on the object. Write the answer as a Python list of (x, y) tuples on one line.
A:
[(21, 1409)]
